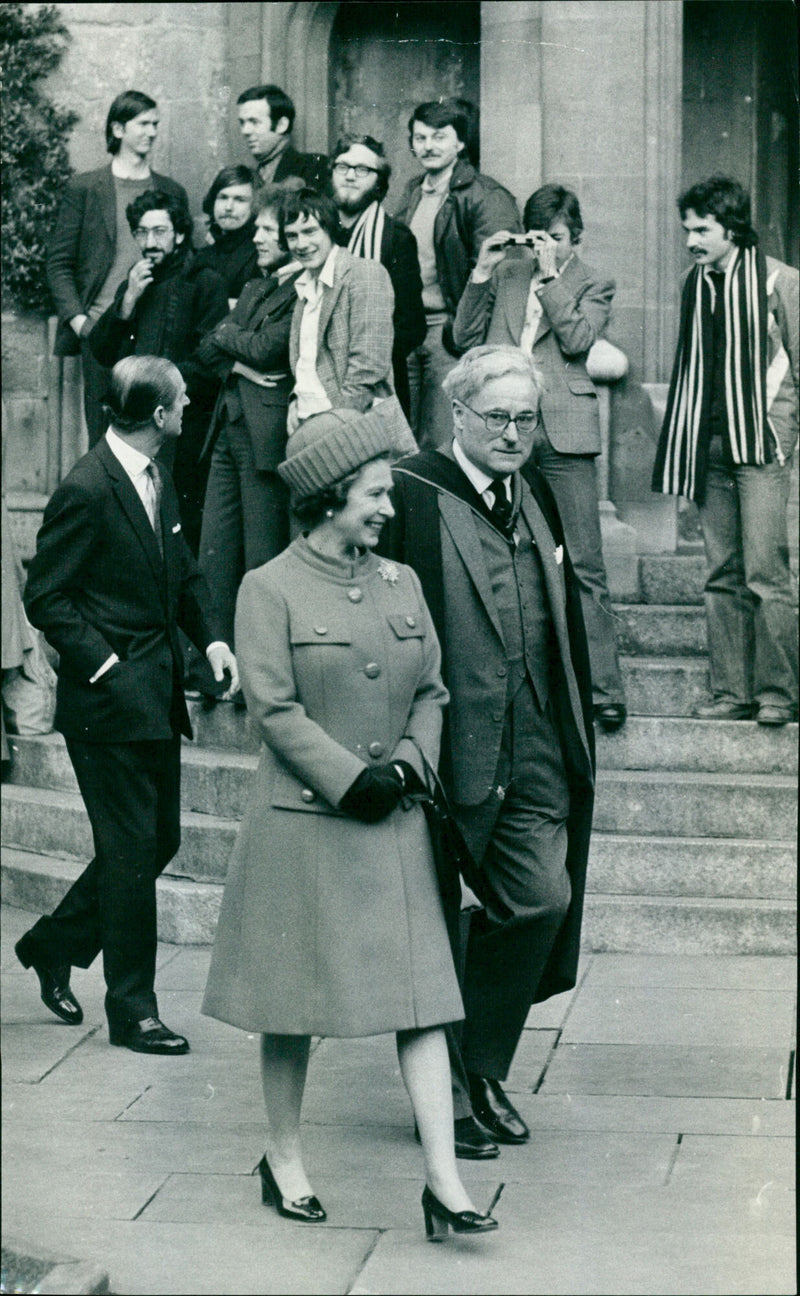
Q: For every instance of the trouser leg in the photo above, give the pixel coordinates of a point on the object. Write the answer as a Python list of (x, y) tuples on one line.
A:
[(573, 481), (221, 556), (728, 602), (96, 388), (431, 411), (131, 793)]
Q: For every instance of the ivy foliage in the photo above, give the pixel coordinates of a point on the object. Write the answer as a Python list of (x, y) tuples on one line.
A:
[(33, 147)]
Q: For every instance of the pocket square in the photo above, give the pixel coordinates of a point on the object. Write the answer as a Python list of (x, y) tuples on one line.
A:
[(177, 528), (559, 555)]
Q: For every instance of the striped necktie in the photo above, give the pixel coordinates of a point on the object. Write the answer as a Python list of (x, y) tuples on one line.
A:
[(154, 502)]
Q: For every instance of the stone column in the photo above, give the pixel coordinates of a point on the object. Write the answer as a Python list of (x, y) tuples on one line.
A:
[(511, 94)]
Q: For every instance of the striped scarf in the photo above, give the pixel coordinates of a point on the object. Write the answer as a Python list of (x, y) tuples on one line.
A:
[(682, 448), (367, 233)]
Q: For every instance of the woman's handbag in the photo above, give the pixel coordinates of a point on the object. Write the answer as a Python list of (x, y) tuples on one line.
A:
[(452, 857)]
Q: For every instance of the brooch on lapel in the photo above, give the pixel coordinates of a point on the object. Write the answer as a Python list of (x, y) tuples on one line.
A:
[(388, 571)]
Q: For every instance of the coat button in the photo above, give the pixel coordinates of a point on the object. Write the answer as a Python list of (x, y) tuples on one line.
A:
[(497, 716), (355, 595), (320, 630), (376, 750), (372, 670), (307, 795), (501, 671), (411, 621)]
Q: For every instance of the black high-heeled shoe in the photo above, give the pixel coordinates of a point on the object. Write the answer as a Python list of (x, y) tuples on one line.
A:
[(438, 1218), (308, 1209)]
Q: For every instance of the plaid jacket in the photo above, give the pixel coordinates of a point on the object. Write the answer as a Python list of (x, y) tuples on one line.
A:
[(354, 346), (575, 311)]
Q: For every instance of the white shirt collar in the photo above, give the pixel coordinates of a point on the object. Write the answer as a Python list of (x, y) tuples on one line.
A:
[(132, 460), (479, 479), (307, 286)]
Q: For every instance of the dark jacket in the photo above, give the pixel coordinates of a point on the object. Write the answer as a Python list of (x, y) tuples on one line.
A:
[(475, 207), (256, 333), (97, 585), (81, 249), (434, 531), (174, 312), (233, 256), (311, 168), (399, 256)]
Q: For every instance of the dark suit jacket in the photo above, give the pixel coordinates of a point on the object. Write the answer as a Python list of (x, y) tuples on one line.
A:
[(81, 249), (311, 168), (97, 585), (576, 307), (436, 531), (256, 333)]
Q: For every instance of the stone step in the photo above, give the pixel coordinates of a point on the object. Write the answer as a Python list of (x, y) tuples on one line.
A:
[(681, 804), (657, 630), (215, 787), (672, 578), (732, 868), (670, 925), (187, 913), (703, 746), (665, 686)]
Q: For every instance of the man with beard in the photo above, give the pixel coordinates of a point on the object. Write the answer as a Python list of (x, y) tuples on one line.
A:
[(164, 307), (359, 181)]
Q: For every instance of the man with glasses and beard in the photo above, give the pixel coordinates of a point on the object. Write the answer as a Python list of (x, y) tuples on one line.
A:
[(164, 307), (360, 177)]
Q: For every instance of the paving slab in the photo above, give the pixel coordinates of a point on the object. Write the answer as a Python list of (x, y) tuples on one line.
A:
[(683, 1015), (93, 1194), (530, 1059), (676, 1070), (33, 1048), (757, 1164), (52, 1101), (663, 971), (629, 1114)]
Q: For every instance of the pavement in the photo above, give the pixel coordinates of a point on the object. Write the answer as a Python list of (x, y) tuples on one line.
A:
[(659, 1093)]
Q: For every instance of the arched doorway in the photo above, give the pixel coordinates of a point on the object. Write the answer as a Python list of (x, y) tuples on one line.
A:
[(385, 58)]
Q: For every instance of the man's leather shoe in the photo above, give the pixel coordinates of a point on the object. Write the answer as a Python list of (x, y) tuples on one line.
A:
[(610, 715), (472, 1144), (495, 1112), (775, 715), (53, 981), (725, 709), (148, 1036)]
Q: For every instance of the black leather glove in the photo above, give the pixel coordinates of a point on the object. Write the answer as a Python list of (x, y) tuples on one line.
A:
[(376, 792)]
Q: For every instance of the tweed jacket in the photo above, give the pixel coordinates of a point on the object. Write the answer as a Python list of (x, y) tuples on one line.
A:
[(81, 249), (475, 207), (576, 307), (355, 337), (97, 585), (256, 333), (436, 529)]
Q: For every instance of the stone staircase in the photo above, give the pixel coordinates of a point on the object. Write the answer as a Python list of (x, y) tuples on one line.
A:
[(693, 849)]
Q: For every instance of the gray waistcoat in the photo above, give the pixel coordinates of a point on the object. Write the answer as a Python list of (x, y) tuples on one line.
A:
[(523, 608)]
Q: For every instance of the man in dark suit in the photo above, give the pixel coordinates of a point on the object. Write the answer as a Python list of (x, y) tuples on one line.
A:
[(246, 512), (517, 753), (92, 249), (266, 118), (360, 177), (110, 584)]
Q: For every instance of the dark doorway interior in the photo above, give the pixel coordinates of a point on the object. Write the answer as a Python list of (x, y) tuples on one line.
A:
[(740, 108), (387, 58)]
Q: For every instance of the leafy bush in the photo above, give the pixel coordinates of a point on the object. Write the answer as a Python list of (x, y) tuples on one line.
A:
[(33, 147)]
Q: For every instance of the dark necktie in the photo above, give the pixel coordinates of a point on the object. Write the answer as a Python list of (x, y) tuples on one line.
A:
[(502, 509), (154, 474)]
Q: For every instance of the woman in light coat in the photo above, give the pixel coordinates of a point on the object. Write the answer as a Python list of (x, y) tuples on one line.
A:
[(331, 922)]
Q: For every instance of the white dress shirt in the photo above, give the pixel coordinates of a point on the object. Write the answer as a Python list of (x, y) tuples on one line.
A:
[(309, 392), (480, 480), (534, 308)]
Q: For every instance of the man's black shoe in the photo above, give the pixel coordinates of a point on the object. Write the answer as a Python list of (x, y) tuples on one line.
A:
[(494, 1111), (472, 1143), (148, 1036), (54, 983), (610, 715)]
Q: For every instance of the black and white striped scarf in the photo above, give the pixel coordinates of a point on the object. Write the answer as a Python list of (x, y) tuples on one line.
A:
[(679, 468), (367, 233)]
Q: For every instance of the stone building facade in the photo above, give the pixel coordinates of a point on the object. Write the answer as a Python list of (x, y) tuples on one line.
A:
[(622, 100)]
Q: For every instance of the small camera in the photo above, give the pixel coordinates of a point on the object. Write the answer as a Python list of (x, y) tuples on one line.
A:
[(520, 240)]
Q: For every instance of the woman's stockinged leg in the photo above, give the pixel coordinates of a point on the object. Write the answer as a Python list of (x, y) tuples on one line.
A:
[(284, 1063), (425, 1068)]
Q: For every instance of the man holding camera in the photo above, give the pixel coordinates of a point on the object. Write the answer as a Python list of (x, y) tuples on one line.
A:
[(555, 307)]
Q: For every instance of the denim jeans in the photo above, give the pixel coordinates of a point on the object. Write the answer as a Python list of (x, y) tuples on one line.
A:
[(750, 608), (431, 411)]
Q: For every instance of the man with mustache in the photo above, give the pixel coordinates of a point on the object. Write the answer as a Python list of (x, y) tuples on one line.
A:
[(164, 307), (729, 434), (450, 209), (360, 177)]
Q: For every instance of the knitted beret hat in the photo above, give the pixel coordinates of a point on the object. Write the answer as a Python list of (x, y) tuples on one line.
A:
[(326, 447)]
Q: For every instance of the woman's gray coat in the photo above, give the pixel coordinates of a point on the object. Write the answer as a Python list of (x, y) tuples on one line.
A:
[(330, 926)]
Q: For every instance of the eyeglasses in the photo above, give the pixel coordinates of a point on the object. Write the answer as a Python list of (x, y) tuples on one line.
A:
[(498, 420), (160, 231), (342, 168)]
